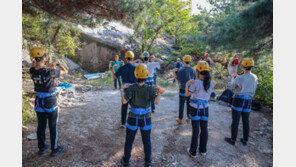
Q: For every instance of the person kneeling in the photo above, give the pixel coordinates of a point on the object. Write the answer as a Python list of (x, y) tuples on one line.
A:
[(200, 90), (139, 96)]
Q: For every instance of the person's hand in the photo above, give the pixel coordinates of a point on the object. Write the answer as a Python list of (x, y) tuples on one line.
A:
[(191, 81), (125, 86), (155, 86), (234, 75)]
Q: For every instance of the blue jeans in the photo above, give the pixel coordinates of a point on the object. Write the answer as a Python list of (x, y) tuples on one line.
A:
[(130, 137), (119, 82)]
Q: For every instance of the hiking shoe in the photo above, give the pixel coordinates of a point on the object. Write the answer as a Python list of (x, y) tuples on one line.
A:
[(188, 120), (229, 140), (147, 164), (243, 141), (57, 151), (123, 163), (179, 121), (203, 154), (122, 126), (43, 150), (188, 151)]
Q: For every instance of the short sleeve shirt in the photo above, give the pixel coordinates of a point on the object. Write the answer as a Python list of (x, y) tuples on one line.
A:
[(184, 75), (44, 79), (127, 73), (140, 97), (198, 91), (151, 66), (113, 63)]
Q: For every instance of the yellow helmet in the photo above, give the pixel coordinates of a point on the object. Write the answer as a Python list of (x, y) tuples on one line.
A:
[(202, 66), (141, 71), (129, 54), (37, 52), (187, 58), (248, 62)]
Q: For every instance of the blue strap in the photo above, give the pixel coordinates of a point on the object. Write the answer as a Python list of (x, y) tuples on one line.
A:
[(182, 94), (140, 111), (244, 97), (198, 103), (42, 95)]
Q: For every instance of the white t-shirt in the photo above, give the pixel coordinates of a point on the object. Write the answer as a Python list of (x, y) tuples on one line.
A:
[(151, 67), (232, 69), (199, 93)]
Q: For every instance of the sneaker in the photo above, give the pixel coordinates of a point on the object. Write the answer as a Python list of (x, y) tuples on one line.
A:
[(188, 120), (44, 149), (243, 141), (123, 163), (188, 151), (203, 154), (122, 126), (147, 164), (57, 151), (229, 140), (179, 121)]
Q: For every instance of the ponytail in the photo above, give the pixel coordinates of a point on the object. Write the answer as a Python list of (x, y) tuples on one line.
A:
[(207, 80)]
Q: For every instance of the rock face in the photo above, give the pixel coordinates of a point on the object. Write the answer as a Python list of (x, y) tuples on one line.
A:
[(95, 58)]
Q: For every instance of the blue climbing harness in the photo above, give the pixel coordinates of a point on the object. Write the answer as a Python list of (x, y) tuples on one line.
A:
[(199, 103), (246, 98), (42, 96), (140, 111)]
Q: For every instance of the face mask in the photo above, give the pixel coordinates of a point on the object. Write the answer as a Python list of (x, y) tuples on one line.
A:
[(146, 58)]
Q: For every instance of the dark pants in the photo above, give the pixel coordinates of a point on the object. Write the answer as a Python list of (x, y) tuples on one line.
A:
[(235, 122), (53, 128), (130, 136), (240, 107), (196, 125), (154, 79), (115, 82), (182, 100), (124, 108)]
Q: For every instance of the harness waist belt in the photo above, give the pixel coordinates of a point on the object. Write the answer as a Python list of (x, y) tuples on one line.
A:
[(45, 94), (139, 111), (246, 98), (198, 103), (42, 96)]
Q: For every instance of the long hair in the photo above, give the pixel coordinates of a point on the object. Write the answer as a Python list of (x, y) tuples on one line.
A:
[(207, 80)]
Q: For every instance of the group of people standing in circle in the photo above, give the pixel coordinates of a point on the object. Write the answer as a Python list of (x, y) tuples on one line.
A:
[(140, 91)]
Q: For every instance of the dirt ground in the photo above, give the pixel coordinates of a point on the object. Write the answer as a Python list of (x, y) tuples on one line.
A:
[(89, 129)]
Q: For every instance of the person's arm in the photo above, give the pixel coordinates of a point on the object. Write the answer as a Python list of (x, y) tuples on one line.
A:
[(234, 82), (137, 61), (123, 96), (157, 98), (118, 72), (63, 69), (158, 60), (122, 62), (211, 61), (192, 87), (110, 66)]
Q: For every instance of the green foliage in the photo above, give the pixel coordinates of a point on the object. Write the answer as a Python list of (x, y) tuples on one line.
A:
[(106, 81), (264, 91), (158, 17), (27, 110), (55, 36)]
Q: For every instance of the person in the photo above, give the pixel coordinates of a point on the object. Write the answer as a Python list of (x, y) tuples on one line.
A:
[(244, 87), (232, 71), (117, 64), (185, 74), (139, 96), (125, 72), (200, 90), (151, 66), (46, 106), (208, 59), (155, 70), (177, 66)]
